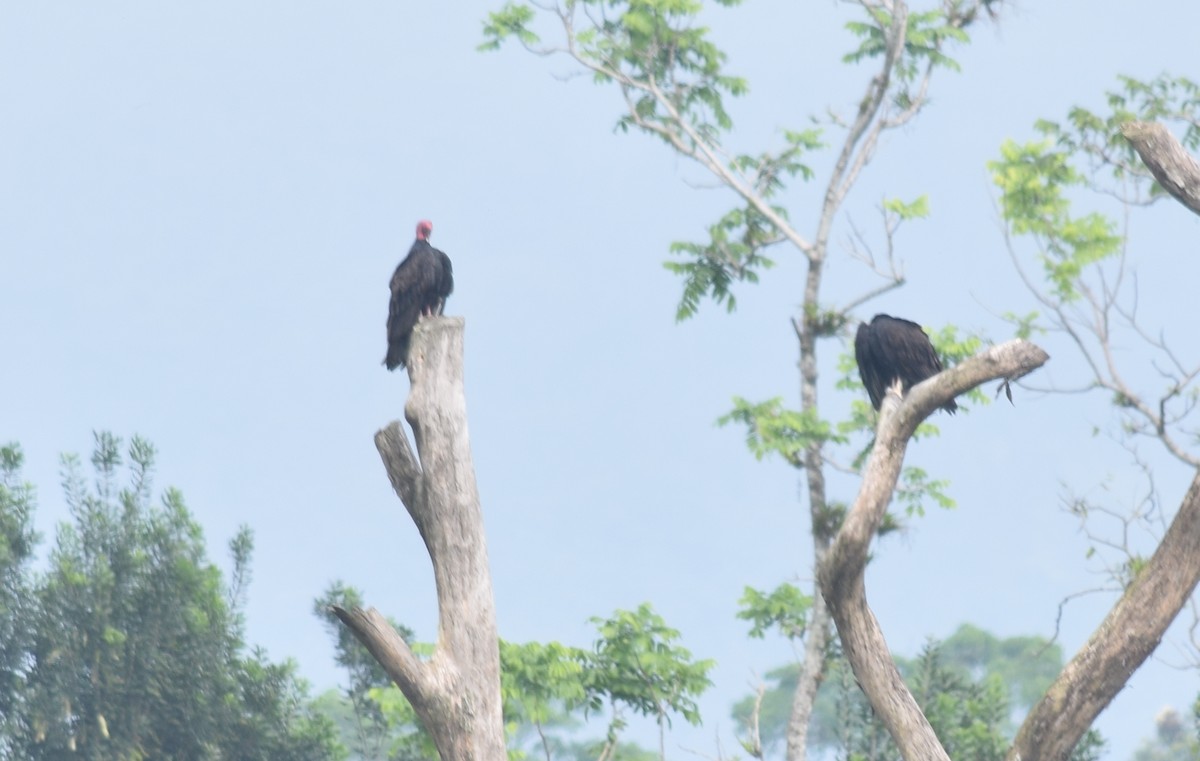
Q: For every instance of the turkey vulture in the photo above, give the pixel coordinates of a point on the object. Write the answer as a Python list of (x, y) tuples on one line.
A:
[(420, 286), (890, 349)]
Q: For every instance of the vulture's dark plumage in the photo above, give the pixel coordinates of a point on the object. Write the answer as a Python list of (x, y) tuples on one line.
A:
[(890, 349), (420, 286)]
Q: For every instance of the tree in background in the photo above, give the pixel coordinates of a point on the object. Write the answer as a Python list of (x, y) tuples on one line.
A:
[(972, 686), (549, 691), (1175, 738), (136, 649), (1078, 267), (17, 542), (367, 730), (670, 74)]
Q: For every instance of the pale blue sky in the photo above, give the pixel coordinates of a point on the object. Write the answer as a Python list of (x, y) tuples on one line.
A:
[(201, 204)]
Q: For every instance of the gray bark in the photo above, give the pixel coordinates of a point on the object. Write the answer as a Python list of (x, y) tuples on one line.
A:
[(456, 693), (812, 670), (841, 575), (1128, 635), (1175, 169)]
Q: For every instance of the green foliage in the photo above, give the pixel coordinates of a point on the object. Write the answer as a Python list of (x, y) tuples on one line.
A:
[(772, 429), (407, 740), (538, 680), (510, 21), (670, 73), (917, 209), (17, 543), (1034, 179), (784, 607), (136, 651), (1024, 325), (953, 347), (1097, 136), (269, 716), (637, 664), (656, 50), (590, 750), (367, 733), (926, 36), (968, 716), (916, 487), (1086, 292), (732, 254), (968, 687), (1089, 748), (1028, 664), (829, 520)]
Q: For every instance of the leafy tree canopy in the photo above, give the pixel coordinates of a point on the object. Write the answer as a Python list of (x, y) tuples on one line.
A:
[(135, 649)]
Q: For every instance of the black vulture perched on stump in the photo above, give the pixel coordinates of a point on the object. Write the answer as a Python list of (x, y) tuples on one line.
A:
[(889, 349), (419, 286)]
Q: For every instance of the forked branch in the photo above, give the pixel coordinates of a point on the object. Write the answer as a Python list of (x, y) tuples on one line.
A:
[(841, 573), (456, 693)]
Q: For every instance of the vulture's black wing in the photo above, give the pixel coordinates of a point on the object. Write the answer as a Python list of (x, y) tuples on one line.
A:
[(414, 286), (445, 282), (890, 349), (871, 366)]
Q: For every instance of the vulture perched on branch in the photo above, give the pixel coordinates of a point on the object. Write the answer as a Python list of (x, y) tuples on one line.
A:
[(889, 349), (420, 286)]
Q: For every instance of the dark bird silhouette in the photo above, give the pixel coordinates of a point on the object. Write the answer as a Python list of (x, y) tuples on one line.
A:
[(890, 349), (419, 286)]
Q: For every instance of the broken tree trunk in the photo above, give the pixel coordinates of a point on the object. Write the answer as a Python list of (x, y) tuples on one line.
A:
[(456, 693)]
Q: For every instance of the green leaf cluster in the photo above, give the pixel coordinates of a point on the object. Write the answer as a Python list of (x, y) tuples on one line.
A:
[(969, 686), (406, 738), (968, 716), (784, 608), (635, 664), (926, 36), (133, 647), (363, 728), (732, 254), (541, 681), (916, 487), (1034, 180), (17, 543), (1097, 136), (656, 50), (918, 208), (512, 20), (773, 429)]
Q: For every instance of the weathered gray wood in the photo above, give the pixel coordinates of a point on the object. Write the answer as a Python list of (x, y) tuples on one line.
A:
[(456, 694), (1129, 634), (1174, 168), (841, 574)]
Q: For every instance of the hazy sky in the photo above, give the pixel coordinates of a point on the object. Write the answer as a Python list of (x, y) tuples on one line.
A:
[(201, 205)]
